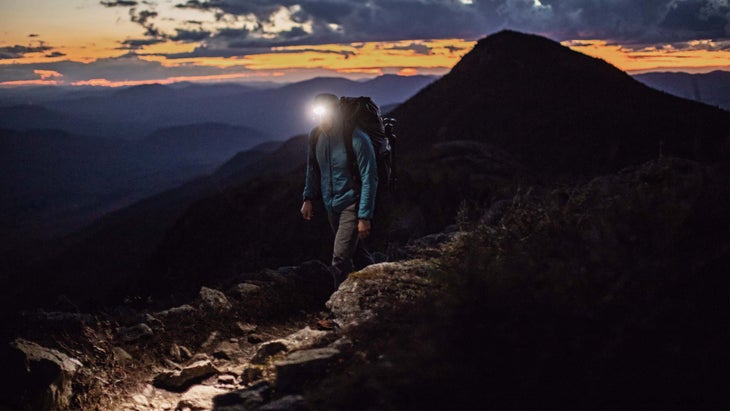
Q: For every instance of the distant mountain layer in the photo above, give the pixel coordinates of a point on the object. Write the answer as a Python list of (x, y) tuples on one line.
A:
[(711, 88), (53, 181), (205, 143), (134, 112)]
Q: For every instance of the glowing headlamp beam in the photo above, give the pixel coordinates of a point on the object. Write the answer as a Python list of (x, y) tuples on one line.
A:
[(319, 111)]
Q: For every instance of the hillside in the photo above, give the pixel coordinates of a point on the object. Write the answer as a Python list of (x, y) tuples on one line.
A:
[(455, 144), (558, 111), (605, 295), (120, 242)]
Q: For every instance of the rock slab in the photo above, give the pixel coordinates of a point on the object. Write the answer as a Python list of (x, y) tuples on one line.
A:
[(41, 378), (182, 379), (302, 367)]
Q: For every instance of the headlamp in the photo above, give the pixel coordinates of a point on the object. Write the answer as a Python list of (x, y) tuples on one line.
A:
[(319, 110)]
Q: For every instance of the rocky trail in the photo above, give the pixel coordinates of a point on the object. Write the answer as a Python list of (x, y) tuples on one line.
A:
[(257, 345)]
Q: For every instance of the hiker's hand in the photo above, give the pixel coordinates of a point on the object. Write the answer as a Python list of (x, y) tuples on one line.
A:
[(307, 210), (363, 228)]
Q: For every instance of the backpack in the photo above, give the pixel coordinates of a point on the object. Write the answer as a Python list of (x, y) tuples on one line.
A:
[(362, 112)]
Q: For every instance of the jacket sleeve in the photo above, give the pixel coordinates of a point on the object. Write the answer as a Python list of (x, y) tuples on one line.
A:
[(312, 181), (365, 156)]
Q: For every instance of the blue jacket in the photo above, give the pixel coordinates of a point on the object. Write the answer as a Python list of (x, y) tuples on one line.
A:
[(333, 178)]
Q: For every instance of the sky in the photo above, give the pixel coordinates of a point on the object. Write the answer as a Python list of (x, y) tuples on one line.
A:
[(128, 42)]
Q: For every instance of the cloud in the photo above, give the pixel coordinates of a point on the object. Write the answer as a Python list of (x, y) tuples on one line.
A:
[(142, 17), (190, 35), (417, 48), (119, 3), (136, 44), (17, 51), (129, 67), (55, 54), (313, 22)]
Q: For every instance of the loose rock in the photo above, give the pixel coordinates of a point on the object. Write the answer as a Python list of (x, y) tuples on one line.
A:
[(214, 301), (251, 374), (246, 328), (180, 311), (134, 333), (181, 379), (199, 397), (267, 350), (121, 356), (245, 399)]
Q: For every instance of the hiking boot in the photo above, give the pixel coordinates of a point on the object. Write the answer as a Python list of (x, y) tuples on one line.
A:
[(338, 276)]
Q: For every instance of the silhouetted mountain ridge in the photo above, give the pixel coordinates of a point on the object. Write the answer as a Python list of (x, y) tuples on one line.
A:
[(558, 111)]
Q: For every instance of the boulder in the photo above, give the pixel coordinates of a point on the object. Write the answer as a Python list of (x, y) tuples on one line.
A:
[(243, 290), (180, 311), (40, 377), (377, 291), (179, 380), (213, 301), (302, 367), (199, 397)]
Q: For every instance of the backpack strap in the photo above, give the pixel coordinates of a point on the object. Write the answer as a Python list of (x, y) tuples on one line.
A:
[(349, 131)]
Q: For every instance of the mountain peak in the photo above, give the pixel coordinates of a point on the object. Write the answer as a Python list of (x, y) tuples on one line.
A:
[(557, 110)]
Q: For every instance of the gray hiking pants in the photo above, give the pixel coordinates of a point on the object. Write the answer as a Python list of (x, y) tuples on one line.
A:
[(347, 248)]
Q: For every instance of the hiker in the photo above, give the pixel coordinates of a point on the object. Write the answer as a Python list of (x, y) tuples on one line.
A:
[(348, 198)]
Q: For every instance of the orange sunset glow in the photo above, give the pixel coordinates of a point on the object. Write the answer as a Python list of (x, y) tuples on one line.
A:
[(62, 43)]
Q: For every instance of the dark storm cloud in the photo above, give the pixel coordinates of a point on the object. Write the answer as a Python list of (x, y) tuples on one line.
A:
[(136, 44), (142, 17), (190, 35), (119, 3), (629, 22), (415, 47), (14, 52)]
